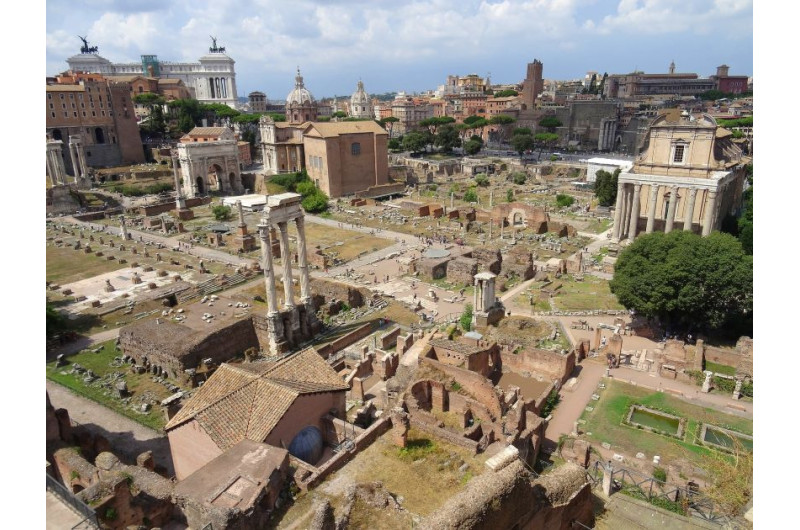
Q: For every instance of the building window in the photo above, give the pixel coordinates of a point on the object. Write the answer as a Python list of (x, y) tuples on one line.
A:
[(53, 114), (355, 149), (679, 153)]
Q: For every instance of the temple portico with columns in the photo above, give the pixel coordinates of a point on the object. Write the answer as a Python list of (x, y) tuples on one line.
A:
[(292, 324), (688, 177)]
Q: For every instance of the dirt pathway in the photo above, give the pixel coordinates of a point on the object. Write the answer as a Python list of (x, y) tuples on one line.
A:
[(128, 439)]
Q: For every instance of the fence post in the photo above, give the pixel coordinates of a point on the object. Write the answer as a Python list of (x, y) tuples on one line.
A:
[(650, 495), (608, 471)]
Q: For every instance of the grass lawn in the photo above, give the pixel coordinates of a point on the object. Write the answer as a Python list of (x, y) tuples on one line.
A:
[(605, 423), (99, 363), (591, 293), (598, 226), (720, 368), (65, 265)]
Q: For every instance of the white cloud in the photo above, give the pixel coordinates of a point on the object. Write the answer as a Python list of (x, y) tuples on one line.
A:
[(666, 16)]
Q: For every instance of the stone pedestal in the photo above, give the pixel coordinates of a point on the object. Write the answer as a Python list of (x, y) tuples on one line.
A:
[(707, 383), (184, 214)]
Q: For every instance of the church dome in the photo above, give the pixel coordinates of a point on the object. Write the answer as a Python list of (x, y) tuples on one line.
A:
[(360, 96), (300, 95)]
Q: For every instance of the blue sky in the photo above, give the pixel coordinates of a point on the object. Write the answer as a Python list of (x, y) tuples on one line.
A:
[(395, 45)]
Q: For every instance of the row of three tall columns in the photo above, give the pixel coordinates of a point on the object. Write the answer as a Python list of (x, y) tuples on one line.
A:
[(269, 274)]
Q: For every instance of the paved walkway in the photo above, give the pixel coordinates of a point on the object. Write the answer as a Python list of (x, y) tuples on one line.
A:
[(128, 439), (573, 402), (59, 515)]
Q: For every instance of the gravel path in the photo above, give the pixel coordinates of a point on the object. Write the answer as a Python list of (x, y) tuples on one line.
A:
[(128, 439)]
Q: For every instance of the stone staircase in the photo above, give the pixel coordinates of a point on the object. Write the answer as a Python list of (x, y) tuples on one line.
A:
[(210, 286)]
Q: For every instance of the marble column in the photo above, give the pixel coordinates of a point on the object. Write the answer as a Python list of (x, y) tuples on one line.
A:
[(673, 202), (241, 213), (56, 165), (180, 201), (687, 219), (123, 228), (286, 258), (711, 205), (82, 159), (305, 283), (651, 208), (634, 221), (491, 198), (51, 171), (269, 273), (73, 155), (618, 212), (626, 212)]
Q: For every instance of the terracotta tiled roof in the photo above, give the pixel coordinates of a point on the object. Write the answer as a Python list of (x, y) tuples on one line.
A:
[(330, 129), (246, 401), (205, 131)]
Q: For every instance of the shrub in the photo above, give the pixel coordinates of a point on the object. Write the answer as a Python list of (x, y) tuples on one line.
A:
[(563, 200), (509, 195), (315, 203), (466, 318), (660, 474), (482, 180), (471, 195), (550, 403), (519, 177), (221, 212)]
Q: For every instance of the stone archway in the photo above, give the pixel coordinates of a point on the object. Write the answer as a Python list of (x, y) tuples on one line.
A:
[(214, 180), (518, 219), (201, 187)]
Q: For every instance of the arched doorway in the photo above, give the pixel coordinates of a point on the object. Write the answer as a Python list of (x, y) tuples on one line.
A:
[(98, 135), (57, 134), (518, 219), (214, 180), (201, 188)]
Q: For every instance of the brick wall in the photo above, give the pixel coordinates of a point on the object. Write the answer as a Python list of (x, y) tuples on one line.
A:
[(389, 339), (344, 341), (550, 363), (444, 434), (477, 385)]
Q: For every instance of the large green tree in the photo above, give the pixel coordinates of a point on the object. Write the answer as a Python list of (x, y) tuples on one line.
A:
[(550, 123), (447, 138), (522, 143), (688, 281), (415, 141), (605, 187)]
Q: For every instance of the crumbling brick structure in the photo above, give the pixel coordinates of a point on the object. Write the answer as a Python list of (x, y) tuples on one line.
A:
[(518, 262), (462, 270), (512, 498), (489, 259)]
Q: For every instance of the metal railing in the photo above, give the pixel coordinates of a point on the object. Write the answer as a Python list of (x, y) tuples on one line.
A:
[(88, 514), (694, 503)]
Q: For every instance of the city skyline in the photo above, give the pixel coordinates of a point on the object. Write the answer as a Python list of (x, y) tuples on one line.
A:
[(409, 46)]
